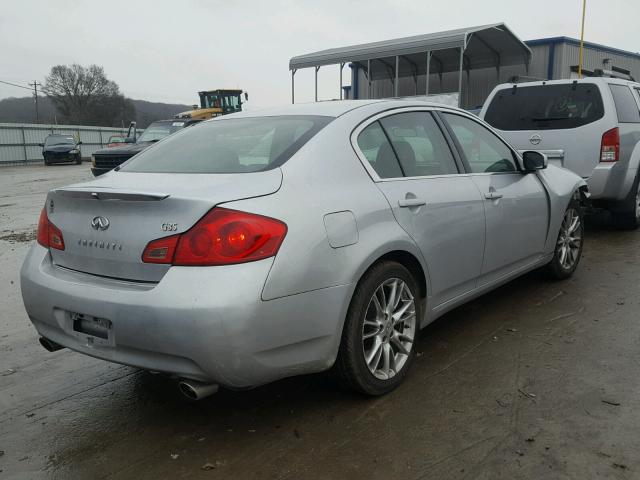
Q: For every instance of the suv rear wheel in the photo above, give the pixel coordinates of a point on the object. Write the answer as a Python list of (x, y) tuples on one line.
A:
[(629, 218), (380, 330)]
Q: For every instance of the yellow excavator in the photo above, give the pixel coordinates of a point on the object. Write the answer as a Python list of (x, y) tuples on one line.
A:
[(214, 103)]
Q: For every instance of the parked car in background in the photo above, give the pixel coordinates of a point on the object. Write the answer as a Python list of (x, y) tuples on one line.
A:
[(590, 126), (61, 149), (116, 141), (107, 159), (258, 246)]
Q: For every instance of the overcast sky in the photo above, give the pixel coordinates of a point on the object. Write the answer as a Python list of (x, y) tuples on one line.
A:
[(168, 50)]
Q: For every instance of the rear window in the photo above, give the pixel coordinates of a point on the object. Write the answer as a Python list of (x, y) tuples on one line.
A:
[(545, 107), (626, 105), (229, 146)]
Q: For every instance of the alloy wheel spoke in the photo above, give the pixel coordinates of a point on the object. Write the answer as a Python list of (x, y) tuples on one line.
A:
[(386, 362), (391, 301), (563, 255), (374, 355), (378, 307), (401, 311), (398, 344), (575, 223), (402, 320)]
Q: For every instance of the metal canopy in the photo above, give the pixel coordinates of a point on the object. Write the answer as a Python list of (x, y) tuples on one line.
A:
[(464, 49), (485, 45)]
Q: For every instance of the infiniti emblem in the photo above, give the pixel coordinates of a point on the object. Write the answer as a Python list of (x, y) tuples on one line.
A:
[(100, 223), (535, 139)]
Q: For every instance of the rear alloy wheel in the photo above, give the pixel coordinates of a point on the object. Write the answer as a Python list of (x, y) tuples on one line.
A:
[(380, 330), (629, 219), (569, 244)]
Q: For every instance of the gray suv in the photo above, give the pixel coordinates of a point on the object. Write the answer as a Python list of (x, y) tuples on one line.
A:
[(590, 126)]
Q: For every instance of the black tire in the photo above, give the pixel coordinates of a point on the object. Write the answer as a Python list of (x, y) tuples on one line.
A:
[(79, 160), (46, 163), (558, 267), (351, 368), (628, 217)]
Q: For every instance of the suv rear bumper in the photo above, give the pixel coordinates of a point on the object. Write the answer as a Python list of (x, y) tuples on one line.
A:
[(204, 323), (611, 181)]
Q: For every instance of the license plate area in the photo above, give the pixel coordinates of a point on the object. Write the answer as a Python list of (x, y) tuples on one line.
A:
[(93, 330)]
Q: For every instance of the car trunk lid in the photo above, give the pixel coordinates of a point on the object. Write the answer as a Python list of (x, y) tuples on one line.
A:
[(107, 223)]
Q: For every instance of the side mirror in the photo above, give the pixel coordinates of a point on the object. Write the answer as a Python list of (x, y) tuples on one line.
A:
[(246, 96), (80, 142), (533, 160)]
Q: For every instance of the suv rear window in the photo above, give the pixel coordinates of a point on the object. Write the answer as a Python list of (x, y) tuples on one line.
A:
[(626, 105), (236, 145), (545, 107)]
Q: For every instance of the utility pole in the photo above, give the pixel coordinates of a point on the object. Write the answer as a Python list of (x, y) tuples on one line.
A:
[(35, 86), (580, 61)]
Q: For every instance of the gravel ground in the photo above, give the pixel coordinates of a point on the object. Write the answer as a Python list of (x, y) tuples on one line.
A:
[(538, 379)]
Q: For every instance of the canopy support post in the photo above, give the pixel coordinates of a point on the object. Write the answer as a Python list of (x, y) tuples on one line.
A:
[(395, 82), (369, 79), (316, 84), (341, 67), (460, 77), (426, 92), (293, 86)]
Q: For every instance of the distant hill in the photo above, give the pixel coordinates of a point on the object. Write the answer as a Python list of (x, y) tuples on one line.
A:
[(22, 110)]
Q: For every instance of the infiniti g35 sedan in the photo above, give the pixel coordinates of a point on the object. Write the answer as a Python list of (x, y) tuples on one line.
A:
[(314, 237)]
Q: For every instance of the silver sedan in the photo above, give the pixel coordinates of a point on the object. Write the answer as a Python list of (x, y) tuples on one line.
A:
[(259, 246)]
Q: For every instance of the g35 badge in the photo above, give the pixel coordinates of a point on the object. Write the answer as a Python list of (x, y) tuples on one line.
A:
[(169, 227)]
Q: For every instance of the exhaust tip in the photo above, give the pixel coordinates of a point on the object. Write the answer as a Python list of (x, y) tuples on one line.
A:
[(49, 345), (196, 390)]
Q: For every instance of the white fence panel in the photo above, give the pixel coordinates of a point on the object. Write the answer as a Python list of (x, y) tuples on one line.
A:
[(20, 142)]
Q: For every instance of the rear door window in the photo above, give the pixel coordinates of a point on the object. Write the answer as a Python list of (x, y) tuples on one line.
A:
[(545, 107), (375, 146), (419, 144), (626, 105)]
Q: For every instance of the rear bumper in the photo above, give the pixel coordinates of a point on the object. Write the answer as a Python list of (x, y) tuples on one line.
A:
[(207, 324), (611, 181)]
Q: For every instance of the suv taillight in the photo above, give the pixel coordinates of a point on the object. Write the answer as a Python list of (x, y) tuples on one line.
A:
[(610, 146), (221, 237), (49, 235)]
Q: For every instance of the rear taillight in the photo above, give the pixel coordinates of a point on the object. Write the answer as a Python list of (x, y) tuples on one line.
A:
[(610, 147), (49, 235), (221, 237)]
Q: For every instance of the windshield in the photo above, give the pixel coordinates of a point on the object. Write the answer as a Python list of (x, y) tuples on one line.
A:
[(157, 131), (545, 107), (50, 141), (229, 146)]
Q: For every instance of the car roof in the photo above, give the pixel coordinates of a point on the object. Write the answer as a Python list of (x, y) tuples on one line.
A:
[(332, 108)]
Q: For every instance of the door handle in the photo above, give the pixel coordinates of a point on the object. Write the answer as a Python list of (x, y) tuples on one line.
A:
[(411, 202), (493, 195)]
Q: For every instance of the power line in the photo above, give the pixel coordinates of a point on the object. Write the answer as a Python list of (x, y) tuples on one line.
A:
[(14, 85)]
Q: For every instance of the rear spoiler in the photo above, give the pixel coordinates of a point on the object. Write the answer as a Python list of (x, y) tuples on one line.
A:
[(110, 194)]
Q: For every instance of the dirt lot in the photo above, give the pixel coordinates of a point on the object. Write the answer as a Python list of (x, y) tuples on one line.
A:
[(535, 380)]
